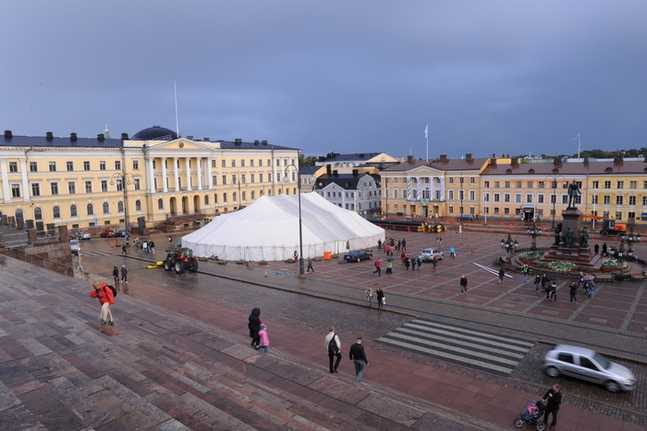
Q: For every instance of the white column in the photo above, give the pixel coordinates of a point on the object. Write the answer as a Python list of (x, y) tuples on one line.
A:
[(199, 160), (188, 173), (25, 183), (176, 175), (150, 175), (5, 181), (164, 179)]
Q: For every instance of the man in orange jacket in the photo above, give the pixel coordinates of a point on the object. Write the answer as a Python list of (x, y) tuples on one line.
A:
[(107, 299)]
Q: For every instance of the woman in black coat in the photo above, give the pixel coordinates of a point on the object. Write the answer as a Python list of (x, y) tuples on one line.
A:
[(254, 326)]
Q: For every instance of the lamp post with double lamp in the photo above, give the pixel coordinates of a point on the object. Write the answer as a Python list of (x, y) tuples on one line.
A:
[(629, 240), (123, 179), (286, 179), (554, 179), (510, 246), (534, 232)]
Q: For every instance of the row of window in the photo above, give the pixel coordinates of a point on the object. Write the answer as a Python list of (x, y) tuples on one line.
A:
[(33, 166), (74, 210), (16, 191), (223, 162), (252, 178)]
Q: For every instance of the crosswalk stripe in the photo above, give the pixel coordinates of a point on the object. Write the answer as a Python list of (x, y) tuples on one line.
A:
[(482, 350)]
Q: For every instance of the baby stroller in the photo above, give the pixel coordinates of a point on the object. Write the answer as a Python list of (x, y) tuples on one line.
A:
[(532, 420)]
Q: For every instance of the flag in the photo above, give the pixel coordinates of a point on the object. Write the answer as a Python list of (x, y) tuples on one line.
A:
[(426, 130)]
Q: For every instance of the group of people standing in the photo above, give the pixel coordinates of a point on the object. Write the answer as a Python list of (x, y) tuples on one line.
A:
[(379, 293)]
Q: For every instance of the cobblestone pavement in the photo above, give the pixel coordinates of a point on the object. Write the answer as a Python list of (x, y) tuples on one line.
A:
[(612, 321)]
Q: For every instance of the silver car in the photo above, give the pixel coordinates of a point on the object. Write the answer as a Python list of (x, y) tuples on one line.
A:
[(432, 253), (585, 364)]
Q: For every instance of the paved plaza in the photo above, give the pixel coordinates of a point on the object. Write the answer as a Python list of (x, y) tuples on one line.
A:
[(176, 336)]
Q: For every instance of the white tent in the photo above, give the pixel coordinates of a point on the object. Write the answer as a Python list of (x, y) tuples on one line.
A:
[(268, 230)]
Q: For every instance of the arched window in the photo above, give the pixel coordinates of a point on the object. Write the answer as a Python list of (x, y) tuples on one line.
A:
[(294, 192), (206, 199), (120, 206), (253, 194), (138, 205), (262, 192), (224, 197), (244, 196), (215, 198), (38, 214), (234, 196), (106, 208), (90, 209), (160, 204), (269, 192), (56, 212), (73, 211)]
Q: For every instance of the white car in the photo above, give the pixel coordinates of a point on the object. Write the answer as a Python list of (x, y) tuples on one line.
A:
[(432, 253)]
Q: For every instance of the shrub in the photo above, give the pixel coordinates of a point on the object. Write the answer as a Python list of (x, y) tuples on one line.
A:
[(531, 255), (562, 266)]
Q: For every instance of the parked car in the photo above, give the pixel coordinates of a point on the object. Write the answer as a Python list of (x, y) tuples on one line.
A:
[(80, 235), (586, 364), (465, 217), (122, 233), (74, 247), (358, 256), (108, 234), (431, 253)]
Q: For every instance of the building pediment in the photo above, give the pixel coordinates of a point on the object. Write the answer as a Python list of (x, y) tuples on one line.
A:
[(183, 144)]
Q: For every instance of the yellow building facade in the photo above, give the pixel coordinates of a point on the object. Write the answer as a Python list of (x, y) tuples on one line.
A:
[(155, 176)]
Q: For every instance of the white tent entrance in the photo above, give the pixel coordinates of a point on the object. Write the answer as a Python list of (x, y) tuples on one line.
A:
[(268, 230)]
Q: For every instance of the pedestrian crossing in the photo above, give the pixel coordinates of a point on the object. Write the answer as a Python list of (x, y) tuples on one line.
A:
[(96, 253), (481, 350)]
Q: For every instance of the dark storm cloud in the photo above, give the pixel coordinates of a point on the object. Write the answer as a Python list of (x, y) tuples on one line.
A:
[(488, 77)]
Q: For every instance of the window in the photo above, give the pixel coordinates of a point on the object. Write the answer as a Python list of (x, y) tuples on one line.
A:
[(450, 194), (529, 198), (618, 215), (242, 179), (633, 184), (38, 214), (594, 199), (138, 205), (54, 188), (565, 357), (224, 197), (607, 200), (35, 189), (160, 204), (632, 200), (595, 185), (529, 184), (242, 163), (618, 200), (621, 184), (496, 197), (73, 211), (517, 198), (564, 199), (71, 187), (251, 177), (233, 163), (607, 184), (56, 212), (70, 166), (224, 179), (244, 196), (506, 211), (135, 165), (224, 163), (15, 190), (102, 166), (496, 185), (13, 166), (106, 208), (486, 184), (541, 185), (52, 166), (644, 200), (486, 197), (104, 185), (553, 199), (120, 185), (137, 184), (117, 165), (233, 178), (90, 209), (506, 197), (451, 180), (253, 193), (540, 199), (260, 178), (86, 165), (33, 166), (214, 180)]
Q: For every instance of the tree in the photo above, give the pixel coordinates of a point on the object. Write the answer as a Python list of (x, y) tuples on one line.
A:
[(307, 161)]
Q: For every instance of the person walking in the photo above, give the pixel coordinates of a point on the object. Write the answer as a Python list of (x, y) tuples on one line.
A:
[(378, 267), (380, 297), (106, 297), (124, 274), (552, 399), (407, 263), (389, 267), (358, 356), (369, 297), (463, 284), (501, 275), (310, 267), (551, 291), (573, 291), (115, 274), (151, 247), (525, 270), (264, 338), (537, 282), (254, 326), (419, 262), (123, 249), (333, 348), (404, 244), (452, 252)]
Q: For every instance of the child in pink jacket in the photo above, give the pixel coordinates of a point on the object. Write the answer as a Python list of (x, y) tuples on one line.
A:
[(265, 339)]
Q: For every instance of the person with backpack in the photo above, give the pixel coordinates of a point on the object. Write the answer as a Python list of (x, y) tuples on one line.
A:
[(333, 348), (106, 296), (115, 274)]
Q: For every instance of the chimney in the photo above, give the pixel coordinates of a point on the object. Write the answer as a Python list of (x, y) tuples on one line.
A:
[(335, 173), (515, 162), (263, 142), (586, 160), (238, 142), (124, 136), (190, 137), (355, 172), (205, 139), (618, 159), (443, 158), (557, 161), (49, 136), (7, 134), (256, 142), (328, 170), (469, 157), (73, 137), (101, 137), (411, 159), (493, 160)]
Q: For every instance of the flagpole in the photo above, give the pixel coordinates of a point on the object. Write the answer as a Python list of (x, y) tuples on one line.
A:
[(427, 138), (578, 144)]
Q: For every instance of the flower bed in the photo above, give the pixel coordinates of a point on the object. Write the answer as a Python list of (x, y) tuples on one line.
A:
[(531, 258)]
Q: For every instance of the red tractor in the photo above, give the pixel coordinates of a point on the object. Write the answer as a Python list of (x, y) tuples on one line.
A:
[(180, 259)]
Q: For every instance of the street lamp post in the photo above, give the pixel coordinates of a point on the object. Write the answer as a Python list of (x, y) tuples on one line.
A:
[(510, 246), (285, 180), (123, 178), (629, 240), (554, 199), (534, 232)]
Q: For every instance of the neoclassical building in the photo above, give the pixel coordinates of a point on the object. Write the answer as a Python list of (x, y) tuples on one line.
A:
[(149, 178)]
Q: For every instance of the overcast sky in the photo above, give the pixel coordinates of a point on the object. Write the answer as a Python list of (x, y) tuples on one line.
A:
[(347, 76)]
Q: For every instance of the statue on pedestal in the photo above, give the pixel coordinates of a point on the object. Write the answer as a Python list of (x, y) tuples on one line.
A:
[(573, 192), (584, 237), (568, 237), (558, 231)]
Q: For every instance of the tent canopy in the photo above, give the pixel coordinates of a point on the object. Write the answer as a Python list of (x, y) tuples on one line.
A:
[(268, 230)]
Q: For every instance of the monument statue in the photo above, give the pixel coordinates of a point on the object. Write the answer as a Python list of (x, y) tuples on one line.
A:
[(573, 192), (558, 231), (584, 237), (568, 237)]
